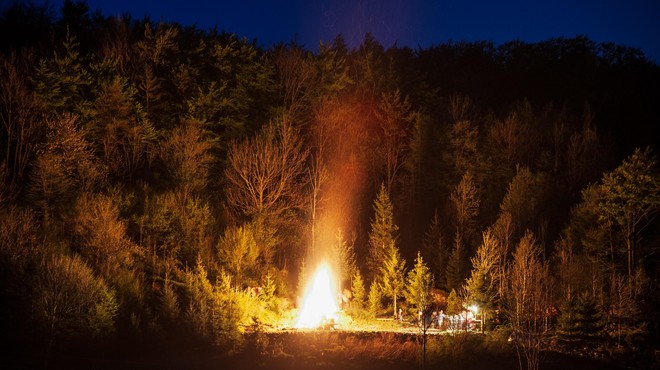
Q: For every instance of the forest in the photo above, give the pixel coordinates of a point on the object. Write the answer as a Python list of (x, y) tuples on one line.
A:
[(159, 182)]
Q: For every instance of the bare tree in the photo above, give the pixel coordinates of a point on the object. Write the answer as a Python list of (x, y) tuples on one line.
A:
[(527, 300), (266, 173)]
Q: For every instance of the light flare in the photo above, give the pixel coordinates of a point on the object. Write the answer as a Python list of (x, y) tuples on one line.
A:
[(320, 303)]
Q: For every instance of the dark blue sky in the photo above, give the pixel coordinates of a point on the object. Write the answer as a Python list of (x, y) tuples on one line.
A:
[(413, 23)]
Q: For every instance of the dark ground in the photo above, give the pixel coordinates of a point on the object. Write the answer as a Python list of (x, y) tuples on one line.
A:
[(318, 350)]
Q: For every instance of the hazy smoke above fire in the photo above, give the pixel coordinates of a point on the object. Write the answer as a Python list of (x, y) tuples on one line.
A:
[(344, 135)]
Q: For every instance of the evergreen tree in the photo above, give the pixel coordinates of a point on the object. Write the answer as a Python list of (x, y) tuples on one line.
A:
[(358, 290), (62, 82), (482, 284), (383, 232), (374, 299), (393, 275), (238, 252), (342, 257), (631, 198), (456, 265), (333, 67), (526, 198), (436, 251), (419, 285), (580, 324), (454, 303)]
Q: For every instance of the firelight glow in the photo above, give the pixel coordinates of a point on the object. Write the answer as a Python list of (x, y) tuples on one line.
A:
[(320, 302)]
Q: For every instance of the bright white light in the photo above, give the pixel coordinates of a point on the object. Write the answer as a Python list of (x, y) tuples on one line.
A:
[(320, 302), (474, 308)]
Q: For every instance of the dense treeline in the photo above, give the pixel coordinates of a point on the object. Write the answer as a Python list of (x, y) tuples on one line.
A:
[(160, 178)]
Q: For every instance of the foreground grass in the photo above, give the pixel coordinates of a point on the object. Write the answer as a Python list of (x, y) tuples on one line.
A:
[(329, 349)]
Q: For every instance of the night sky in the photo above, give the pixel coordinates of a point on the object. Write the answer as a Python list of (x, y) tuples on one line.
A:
[(414, 23)]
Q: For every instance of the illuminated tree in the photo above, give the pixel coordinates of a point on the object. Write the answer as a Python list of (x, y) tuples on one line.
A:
[(418, 293), (101, 234), (392, 275), (583, 153), (120, 128), (526, 300), (631, 197), (211, 310), (70, 302), (358, 290), (419, 285), (342, 257), (187, 156), (482, 284), (466, 201), (64, 167), (238, 252), (265, 173), (454, 303), (374, 299)]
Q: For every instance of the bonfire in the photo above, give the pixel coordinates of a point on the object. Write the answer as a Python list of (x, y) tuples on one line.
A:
[(319, 308)]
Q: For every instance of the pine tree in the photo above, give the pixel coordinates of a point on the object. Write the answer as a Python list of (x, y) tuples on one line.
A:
[(436, 251), (375, 296), (418, 294), (383, 231), (454, 304), (358, 291), (456, 264), (342, 257), (62, 81), (482, 285), (393, 275), (419, 284), (580, 324)]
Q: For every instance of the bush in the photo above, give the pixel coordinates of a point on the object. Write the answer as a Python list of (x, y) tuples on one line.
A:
[(70, 302)]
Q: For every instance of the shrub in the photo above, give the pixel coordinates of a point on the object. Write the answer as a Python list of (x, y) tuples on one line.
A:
[(70, 302)]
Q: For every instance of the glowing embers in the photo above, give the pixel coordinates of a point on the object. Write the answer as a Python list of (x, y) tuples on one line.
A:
[(319, 307)]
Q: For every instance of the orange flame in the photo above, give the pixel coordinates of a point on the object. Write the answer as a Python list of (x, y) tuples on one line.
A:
[(320, 304)]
